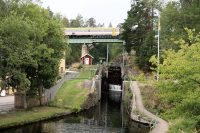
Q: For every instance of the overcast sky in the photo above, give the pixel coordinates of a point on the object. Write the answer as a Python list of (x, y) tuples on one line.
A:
[(104, 11)]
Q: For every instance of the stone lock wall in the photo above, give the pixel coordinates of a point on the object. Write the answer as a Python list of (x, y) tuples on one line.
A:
[(21, 101)]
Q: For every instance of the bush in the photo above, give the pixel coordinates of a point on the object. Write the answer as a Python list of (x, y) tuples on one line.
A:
[(140, 77), (80, 66)]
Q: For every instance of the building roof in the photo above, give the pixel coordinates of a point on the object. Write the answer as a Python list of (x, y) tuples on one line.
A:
[(87, 54)]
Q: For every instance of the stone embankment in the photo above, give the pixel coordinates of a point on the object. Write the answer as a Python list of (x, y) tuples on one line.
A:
[(92, 97)]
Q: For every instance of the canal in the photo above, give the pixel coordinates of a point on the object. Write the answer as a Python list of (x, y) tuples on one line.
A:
[(108, 116)]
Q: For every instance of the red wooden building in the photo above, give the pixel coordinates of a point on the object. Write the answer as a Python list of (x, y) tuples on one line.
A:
[(86, 58)]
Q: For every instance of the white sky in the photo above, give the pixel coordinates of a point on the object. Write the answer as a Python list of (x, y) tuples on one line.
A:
[(104, 11)]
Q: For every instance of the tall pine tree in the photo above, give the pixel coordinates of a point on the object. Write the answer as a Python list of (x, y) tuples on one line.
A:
[(177, 16), (139, 32)]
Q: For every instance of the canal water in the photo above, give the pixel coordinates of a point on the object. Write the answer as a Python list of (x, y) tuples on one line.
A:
[(109, 116)]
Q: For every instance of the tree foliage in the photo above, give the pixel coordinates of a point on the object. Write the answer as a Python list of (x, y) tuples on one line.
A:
[(31, 46), (91, 22), (175, 17), (139, 33), (180, 80)]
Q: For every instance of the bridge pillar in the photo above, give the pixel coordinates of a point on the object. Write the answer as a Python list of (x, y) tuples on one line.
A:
[(98, 86), (123, 90)]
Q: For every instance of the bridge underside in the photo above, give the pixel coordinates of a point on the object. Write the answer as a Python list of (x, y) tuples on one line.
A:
[(90, 41), (93, 39)]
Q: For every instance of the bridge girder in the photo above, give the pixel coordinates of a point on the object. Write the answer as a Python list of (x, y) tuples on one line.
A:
[(90, 41)]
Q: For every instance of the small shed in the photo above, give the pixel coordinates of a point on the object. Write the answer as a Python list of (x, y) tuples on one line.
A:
[(86, 59)]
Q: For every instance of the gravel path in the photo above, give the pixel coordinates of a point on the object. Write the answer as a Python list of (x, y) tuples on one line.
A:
[(162, 126)]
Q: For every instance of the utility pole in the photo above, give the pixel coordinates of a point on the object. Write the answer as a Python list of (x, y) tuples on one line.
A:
[(158, 46)]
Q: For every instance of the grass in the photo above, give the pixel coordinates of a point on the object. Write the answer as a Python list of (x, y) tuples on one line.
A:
[(128, 96), (85, 74), (182, 125), (72, 94), (33, 115), (149, 97), (69, 98), (177, 123)]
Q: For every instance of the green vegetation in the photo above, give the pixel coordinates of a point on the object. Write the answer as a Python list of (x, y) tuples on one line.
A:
[(179, 84), (79, 21), (70, 97), (33, 115), (140, 77), (150, 97), (177, 96), (175, 17), (31, 46), (98, 51), (127, 96), (139, 31), (73, 93)]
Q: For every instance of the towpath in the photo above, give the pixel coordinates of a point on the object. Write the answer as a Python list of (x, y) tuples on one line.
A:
[(162, 125)]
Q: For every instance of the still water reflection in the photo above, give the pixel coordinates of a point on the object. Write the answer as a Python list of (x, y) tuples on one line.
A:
[(107, 117)]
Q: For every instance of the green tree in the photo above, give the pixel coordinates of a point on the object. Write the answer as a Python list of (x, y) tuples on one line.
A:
[(175, 17), (91, 22), (78, 22), (49, 46), (99, 51), (2, 8), (171, 26), (16, 50), (65, 22), (75, 54), (139, 33), (110, 25), (100, 25), (179, 84), (31, 46)]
